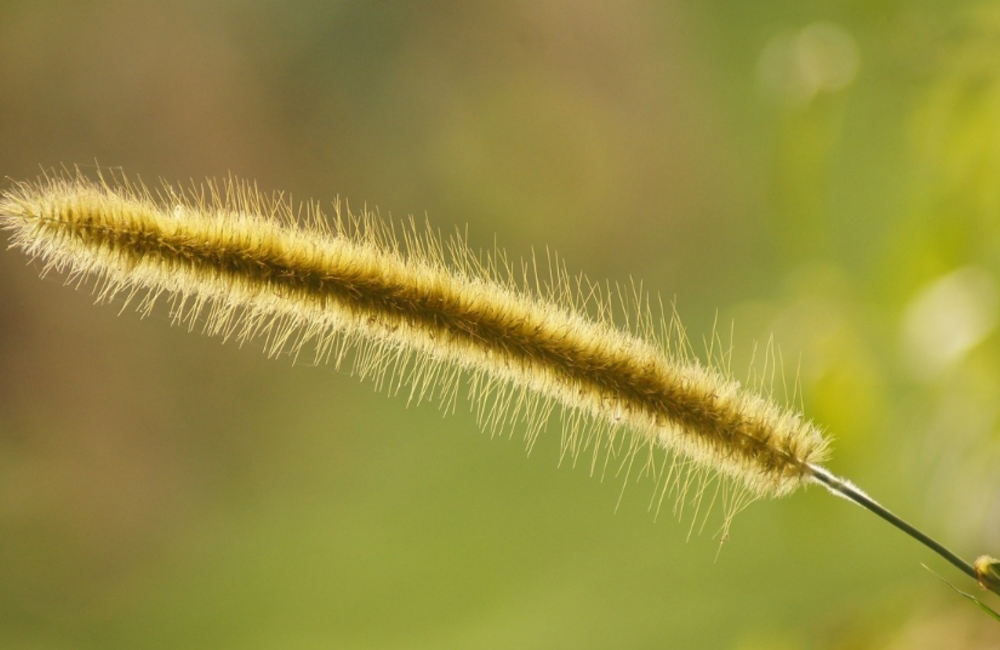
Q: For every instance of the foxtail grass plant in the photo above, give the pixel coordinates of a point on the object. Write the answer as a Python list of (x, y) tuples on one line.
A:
[(427, 316)]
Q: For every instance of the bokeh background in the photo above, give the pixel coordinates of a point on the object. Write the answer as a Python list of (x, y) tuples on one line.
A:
[(823, 173)]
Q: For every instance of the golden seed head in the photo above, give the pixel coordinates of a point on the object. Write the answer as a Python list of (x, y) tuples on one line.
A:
[(418, 311)]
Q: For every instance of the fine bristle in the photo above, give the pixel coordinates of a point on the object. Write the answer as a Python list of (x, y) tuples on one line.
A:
[(423, 314)]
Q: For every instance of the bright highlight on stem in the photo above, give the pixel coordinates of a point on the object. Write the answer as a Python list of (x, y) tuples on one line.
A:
[(426, 315)]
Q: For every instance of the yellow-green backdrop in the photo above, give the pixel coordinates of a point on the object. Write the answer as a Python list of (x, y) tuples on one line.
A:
[(823, 173)]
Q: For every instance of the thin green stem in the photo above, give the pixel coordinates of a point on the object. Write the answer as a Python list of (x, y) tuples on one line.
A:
[(851, 492)]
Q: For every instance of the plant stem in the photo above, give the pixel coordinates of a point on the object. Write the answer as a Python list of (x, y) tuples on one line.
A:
[(846, 489)]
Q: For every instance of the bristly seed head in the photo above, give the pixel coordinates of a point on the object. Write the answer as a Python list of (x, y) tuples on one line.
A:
[(424, 313)]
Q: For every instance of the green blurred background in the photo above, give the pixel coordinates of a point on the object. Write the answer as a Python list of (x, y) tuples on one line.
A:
[(826, 173)]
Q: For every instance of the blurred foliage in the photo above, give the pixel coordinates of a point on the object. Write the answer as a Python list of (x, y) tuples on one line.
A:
[(825, 175)]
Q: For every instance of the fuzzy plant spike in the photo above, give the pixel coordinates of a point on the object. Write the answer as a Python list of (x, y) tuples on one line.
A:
[(426, 315)]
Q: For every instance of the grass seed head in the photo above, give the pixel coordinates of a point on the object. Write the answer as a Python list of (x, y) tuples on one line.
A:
[(424, 315)]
